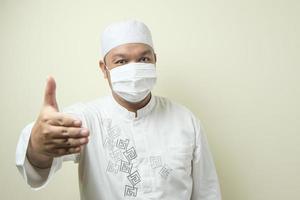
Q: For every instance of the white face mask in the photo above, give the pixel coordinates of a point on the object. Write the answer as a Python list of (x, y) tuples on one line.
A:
[(133, 81)]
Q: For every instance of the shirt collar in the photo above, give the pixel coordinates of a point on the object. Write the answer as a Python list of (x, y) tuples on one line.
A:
[(123, 112)]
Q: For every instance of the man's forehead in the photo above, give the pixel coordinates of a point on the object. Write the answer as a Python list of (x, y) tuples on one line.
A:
[(129, 49)]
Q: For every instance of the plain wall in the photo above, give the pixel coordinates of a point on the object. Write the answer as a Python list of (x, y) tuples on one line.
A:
[(234, 63)]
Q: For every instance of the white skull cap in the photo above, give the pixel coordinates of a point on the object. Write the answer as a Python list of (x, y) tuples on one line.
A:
[(124, 32)]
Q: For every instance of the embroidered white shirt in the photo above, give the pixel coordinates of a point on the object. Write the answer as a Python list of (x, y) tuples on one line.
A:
[(162, 154)]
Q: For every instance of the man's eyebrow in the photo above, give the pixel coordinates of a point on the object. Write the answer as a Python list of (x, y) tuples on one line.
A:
[(115, 56), (148, 51), (120, 55)]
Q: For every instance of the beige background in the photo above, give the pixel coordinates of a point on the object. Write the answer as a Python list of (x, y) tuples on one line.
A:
[(234, 63)]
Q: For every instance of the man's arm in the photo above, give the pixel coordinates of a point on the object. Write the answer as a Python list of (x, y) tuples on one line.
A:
[(35, 177), (55, 136), (205, 179)]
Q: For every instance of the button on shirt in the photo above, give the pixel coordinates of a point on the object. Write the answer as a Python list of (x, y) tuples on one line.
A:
[(160, 154)]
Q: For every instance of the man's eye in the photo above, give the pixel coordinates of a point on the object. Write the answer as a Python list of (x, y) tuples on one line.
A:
[(144, 59), (120, 62)]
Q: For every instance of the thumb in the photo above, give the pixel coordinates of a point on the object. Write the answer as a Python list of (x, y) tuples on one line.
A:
[(50, 93)]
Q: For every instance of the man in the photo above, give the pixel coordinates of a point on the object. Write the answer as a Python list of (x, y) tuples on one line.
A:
[(129, 145)]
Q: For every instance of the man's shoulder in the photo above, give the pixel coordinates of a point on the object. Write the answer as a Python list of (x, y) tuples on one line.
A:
[(172, 106), (98, 102), (88, 105)]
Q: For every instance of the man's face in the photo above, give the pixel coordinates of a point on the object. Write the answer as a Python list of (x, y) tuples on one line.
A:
[(124, 54)]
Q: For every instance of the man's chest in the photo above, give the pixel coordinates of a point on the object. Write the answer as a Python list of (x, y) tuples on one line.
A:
[(144, 157)]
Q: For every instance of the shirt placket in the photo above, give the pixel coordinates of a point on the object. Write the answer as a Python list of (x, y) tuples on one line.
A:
[(142, 148)]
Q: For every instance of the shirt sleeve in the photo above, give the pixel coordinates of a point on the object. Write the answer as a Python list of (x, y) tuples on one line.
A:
[(205, 179), (37, 178)]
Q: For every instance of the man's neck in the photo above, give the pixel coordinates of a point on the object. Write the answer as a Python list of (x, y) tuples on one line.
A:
[(132, 107)]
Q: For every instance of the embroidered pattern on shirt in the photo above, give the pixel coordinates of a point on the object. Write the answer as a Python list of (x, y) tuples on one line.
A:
[(130, 191), (134, 178), (165, 171), (155, 161), (109, 143), (125, 167), (130, 154), (122, 144), (116, 155), (113, 132), (121, 157), (112, 167)]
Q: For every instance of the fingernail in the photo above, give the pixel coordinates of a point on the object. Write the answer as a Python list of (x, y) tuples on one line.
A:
[(77, 122), (83, 140), (84, 132), (77, 149)]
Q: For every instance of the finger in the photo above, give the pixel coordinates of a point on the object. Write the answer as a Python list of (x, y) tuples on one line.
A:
[(61, 119), (74, 149), (50, 93), (68, 143), (68, 132), (54, 152), (64, 151)]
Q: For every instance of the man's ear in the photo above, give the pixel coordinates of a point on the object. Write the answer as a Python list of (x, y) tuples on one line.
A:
[(103, 68), (155, 58)]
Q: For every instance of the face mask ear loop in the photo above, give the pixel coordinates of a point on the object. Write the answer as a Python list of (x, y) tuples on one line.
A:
[(105, 64)]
